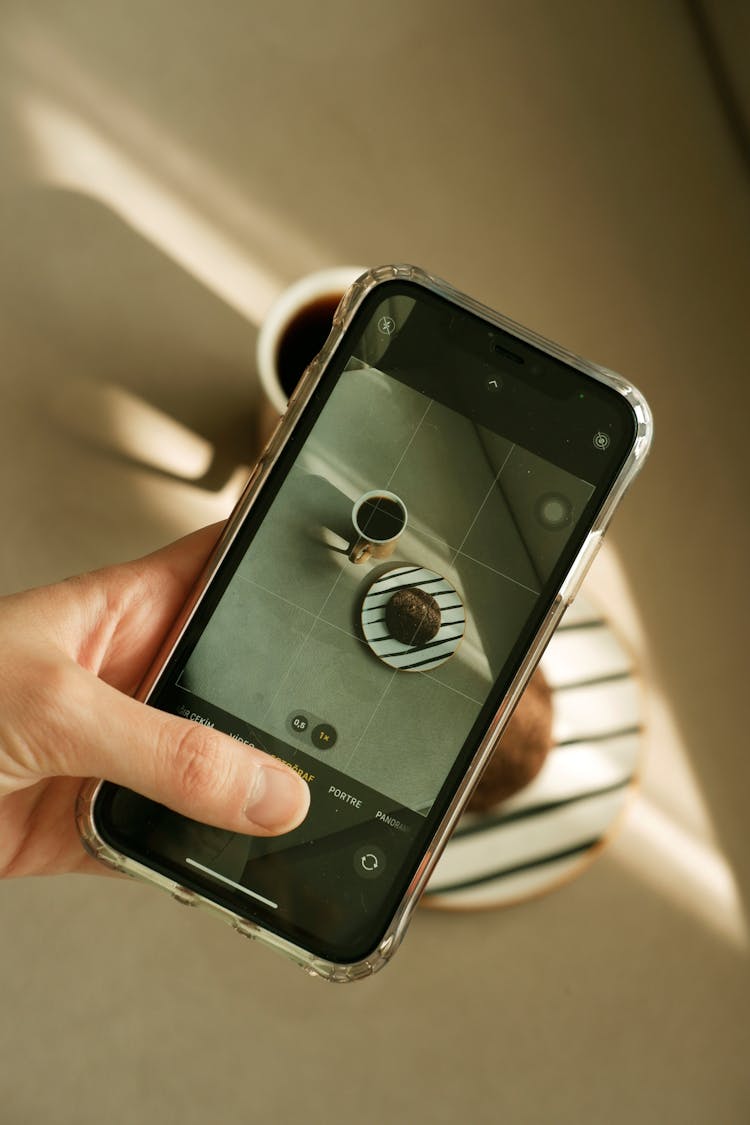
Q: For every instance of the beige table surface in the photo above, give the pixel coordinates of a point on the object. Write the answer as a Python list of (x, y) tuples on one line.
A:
[(164, 170)]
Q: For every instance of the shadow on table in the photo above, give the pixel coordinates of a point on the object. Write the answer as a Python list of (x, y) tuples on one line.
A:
[(118, 342)]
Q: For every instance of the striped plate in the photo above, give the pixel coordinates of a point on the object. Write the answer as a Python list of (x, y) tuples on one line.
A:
[(413, 658), (552, 829)]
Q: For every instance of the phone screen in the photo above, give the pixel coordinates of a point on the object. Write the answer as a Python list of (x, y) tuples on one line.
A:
[(374, 608)]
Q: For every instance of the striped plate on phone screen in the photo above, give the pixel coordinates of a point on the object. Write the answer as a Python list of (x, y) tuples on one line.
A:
[(413, 658)]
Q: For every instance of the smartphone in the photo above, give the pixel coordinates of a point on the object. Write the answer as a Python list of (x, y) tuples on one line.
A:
[(387, 583)]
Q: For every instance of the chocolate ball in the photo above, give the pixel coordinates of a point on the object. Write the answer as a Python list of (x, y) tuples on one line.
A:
[(412, 616), (522, 749)]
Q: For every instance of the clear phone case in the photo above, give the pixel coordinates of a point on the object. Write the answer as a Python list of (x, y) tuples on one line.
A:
[(350, 302)]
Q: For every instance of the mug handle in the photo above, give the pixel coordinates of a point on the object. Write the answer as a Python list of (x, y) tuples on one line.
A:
[(360, 551)]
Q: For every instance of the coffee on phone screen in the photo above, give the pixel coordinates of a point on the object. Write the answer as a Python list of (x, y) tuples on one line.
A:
[(380, 518)]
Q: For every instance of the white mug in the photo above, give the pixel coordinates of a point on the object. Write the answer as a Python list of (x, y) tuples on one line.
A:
[(287, 308), (368, 544)]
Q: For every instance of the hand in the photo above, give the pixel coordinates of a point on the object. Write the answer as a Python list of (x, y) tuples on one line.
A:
[(70, 657)]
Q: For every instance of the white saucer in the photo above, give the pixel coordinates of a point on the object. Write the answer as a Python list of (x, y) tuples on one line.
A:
[(551, 830)]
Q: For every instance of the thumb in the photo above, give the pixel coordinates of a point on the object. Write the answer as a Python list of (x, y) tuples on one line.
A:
[(193, 769)]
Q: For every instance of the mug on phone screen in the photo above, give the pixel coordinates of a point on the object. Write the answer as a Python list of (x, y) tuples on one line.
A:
[(379, 518)]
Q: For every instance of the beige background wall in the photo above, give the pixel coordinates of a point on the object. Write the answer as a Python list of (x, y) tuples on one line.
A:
[(164, 170)]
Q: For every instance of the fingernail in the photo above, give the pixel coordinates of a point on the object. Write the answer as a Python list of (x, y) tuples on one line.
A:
[(279, 800)]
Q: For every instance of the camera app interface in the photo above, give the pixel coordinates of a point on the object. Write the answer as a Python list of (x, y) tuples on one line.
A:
[(383, 592), (367, 621)]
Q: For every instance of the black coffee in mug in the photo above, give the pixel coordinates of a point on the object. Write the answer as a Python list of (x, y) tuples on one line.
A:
[(303, 338), (380, 518)]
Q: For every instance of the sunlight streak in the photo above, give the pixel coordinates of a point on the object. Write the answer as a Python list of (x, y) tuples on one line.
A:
[(668, 838), (72, 154), (114, 419), (683, 868), (52, 69)]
